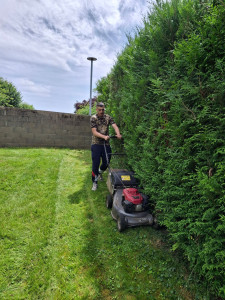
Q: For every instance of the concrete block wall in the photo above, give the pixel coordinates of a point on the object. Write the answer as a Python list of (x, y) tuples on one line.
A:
[(36, 128)]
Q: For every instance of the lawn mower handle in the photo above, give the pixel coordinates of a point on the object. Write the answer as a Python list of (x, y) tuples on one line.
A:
[(112, 136)]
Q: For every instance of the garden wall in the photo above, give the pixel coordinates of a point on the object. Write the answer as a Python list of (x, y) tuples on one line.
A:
[(36, 128)]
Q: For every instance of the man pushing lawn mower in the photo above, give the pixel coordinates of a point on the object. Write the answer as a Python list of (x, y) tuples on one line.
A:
[(100, 123)]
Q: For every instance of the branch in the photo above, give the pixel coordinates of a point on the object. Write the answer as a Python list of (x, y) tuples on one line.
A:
[(188, 109)]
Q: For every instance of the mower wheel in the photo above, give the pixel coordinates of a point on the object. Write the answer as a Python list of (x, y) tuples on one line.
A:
[(121, 223), (155, 223), (109, 201)]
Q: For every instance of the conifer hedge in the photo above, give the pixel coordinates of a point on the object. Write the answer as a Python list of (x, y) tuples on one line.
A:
[(166, 92)]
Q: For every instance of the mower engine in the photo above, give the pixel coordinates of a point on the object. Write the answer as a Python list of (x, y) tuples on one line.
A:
[(133, 201)]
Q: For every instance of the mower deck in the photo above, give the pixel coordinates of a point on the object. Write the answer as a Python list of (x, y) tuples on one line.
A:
[(131, 219), (118, 180)]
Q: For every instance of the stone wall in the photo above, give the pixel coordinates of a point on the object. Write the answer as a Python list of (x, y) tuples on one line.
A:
[(36, 128)]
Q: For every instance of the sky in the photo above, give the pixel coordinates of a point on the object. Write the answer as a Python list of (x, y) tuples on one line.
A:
[(44, 45)]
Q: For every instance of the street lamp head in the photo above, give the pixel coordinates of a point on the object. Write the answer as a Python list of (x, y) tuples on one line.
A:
[(91, 58)]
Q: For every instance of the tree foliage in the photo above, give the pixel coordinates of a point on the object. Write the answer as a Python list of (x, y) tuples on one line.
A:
[(10, 96), (83, 108), (25, 105), (166, 92)]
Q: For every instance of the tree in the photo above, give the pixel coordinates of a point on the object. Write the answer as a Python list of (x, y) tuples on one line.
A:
[(10, 97), (82, 108)]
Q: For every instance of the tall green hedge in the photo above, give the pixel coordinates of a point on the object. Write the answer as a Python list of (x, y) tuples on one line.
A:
[(166, 92)]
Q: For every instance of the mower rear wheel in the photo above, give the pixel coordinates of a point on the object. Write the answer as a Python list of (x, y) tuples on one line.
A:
[(121, 223), (109, 201), (155, 223)]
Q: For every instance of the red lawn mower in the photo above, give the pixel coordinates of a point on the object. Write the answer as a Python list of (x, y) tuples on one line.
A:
[(129, 207)]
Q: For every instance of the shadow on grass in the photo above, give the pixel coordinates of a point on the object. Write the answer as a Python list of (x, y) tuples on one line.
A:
[(77, 197), (134, 264)]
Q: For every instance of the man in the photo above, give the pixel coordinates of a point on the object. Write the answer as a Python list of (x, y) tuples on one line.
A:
[(100, 134)]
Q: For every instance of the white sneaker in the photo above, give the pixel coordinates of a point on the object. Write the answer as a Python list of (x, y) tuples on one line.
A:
[(100, 177), (95, 186)]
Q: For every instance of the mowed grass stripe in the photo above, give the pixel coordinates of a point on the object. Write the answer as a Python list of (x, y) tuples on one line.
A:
[(71, 278), (28, 185)]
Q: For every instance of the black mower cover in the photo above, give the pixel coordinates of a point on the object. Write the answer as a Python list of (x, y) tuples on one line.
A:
[(123, 178)]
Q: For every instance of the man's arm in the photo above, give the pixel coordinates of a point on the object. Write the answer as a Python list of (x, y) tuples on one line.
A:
[(99, 135), (115, 127)]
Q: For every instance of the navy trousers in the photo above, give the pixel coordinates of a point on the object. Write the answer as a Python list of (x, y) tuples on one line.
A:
[(98, 155)]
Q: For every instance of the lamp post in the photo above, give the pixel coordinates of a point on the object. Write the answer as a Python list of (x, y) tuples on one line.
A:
[(91, 59)]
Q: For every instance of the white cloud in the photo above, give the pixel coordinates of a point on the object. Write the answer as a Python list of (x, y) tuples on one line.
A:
[(32, 87), (51, 40)]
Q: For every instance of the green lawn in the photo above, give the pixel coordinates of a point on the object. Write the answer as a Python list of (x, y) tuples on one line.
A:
[(58, 240)]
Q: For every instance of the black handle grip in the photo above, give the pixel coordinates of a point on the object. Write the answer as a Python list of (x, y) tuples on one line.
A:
[(113, 136)]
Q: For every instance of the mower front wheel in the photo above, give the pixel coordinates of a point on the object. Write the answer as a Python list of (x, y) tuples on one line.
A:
[(109, 201), (121, 223)]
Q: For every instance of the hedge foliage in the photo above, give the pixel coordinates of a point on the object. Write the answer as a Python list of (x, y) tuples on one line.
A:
[(166, 92)]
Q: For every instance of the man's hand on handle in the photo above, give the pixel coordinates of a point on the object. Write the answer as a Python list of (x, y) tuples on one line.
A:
[(106, 138), (119, 136)]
